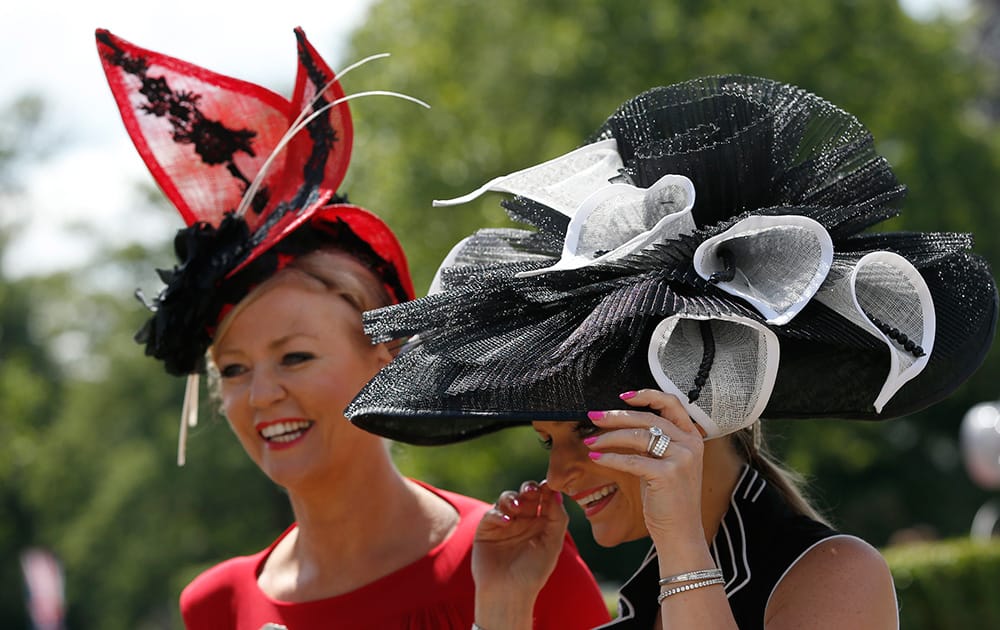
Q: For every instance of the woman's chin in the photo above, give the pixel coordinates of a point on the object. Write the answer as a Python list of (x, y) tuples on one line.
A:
[(605, 538), (609, 539)]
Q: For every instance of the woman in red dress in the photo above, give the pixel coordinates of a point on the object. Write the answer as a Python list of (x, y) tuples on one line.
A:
[(274, 272)]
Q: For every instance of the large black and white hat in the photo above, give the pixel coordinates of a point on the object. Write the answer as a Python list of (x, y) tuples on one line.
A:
[(710, 240)]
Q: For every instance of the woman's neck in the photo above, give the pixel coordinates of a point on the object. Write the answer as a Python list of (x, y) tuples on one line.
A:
[(348, 533), (722, 469)]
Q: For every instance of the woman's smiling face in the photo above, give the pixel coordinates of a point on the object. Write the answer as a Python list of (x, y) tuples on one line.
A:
[(611, 500), (290, 361)]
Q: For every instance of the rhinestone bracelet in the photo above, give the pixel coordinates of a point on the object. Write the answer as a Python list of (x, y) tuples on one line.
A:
[(704, 574), (687, 587)]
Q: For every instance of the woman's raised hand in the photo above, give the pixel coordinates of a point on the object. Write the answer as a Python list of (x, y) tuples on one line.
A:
[(516, 548), (669, 467)]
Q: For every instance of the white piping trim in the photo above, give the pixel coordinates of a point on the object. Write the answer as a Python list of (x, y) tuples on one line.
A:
[(622, 599), (746, 484), (743, 550), (746, 491)]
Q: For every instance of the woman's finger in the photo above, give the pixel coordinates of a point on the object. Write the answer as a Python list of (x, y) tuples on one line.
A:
[(493, 524), (507, 502), (640, 465), (527, 501), (645, 440), (551, 503), (665, 405)]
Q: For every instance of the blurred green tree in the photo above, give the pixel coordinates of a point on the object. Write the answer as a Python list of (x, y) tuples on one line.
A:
[(30, 380), (130, 527)]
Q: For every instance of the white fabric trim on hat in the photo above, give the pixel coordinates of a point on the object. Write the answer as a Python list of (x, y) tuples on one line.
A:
[(618, 219), (781, 261), (448, 261), (561, 183), (741, 377), (887, 286)]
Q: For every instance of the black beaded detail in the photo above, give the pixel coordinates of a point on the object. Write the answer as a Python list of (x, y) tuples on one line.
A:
[(900, 338), (729, 270), (707, 358)]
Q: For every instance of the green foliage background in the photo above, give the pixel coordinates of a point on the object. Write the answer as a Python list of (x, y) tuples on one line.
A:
[(88, 428), (949, 584)]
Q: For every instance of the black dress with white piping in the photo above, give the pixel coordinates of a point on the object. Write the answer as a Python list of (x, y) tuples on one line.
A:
[(760, 538)]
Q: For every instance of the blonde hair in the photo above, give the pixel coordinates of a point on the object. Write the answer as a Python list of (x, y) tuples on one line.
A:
[(327, 269), (749, 443)]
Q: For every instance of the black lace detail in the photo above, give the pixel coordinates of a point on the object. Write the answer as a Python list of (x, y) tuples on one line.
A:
[(322, 133), (215, 143)]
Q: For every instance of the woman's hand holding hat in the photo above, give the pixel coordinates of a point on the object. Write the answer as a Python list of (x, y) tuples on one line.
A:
[(633, 441)]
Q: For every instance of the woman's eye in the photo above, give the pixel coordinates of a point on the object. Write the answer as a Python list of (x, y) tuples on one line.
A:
[(546, 443), (586, 429), (295, 358), (232, 370)]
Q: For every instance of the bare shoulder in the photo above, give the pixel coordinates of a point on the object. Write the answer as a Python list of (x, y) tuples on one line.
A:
[(842, 582)]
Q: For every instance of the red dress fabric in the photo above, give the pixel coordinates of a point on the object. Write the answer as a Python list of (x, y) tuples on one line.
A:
[(435, 592)]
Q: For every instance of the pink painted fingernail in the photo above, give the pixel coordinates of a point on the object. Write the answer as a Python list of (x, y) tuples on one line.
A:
[(590, 440), (594, 455), (596, 415), (627, 395), (515, 503), (505, 517)]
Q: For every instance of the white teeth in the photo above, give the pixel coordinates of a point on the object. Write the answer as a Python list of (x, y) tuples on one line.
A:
[(597, 496), (284, 431)]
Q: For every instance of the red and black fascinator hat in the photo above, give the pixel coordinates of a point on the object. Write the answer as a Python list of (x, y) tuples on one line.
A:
[(711, 241), (253, 175)]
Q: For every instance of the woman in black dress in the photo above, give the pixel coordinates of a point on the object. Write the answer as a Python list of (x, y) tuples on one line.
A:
[(700, 264)]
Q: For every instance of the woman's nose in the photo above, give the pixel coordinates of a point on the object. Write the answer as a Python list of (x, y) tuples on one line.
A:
[(564, 467), (265, 388)]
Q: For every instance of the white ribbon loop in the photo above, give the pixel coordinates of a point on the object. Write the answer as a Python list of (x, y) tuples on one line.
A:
[(776, 263), (561, 183), (619, 219), (886, 295), (724, 379)]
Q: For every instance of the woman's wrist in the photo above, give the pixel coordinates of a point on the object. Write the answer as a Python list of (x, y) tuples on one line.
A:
[(504, 610), (678, 557), (498, 619)]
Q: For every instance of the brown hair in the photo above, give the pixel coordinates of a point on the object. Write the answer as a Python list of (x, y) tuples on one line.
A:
[(749, 443)]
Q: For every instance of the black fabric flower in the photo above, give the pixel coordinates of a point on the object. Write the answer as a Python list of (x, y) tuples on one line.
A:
[(200, 288), (178, 332)]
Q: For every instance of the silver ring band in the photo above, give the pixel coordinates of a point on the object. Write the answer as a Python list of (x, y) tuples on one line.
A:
[(660, 447), (654, 433), (658, 442)]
